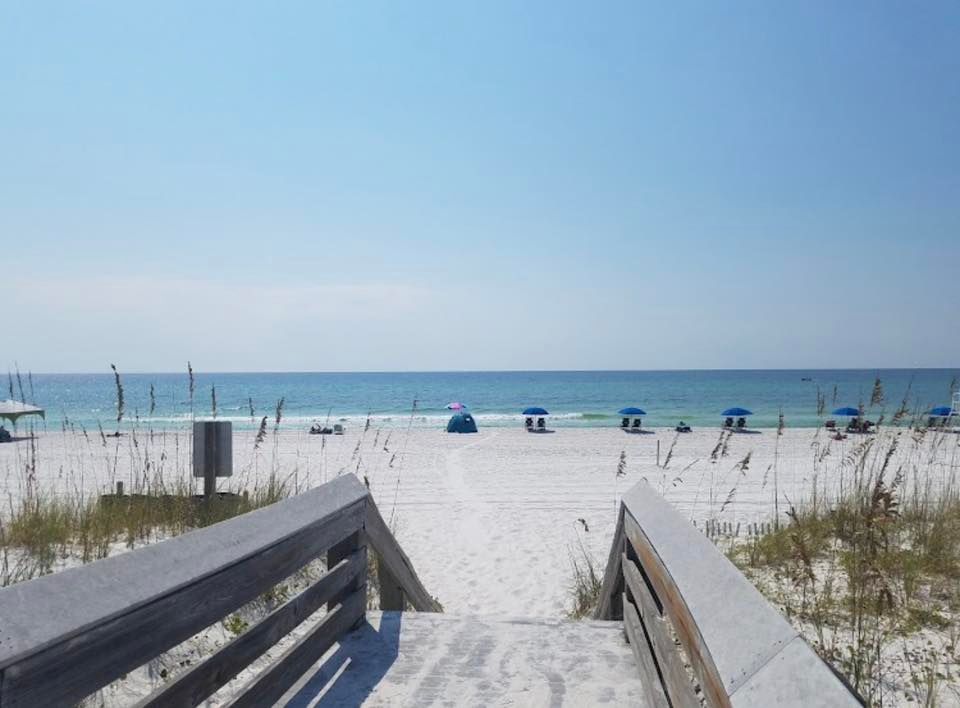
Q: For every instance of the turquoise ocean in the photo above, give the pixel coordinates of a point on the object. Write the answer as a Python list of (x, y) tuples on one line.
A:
[(574, 398)]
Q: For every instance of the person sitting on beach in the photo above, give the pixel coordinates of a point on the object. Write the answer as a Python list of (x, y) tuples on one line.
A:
[(683, 428), (5, 435), (728, 423), (528, 423), (541, 424), (741, 423), (625, 423)]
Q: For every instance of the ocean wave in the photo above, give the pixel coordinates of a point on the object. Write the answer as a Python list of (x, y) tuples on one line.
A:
[(294, 419)]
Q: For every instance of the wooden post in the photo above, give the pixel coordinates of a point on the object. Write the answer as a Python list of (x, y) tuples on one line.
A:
[(658, 453), (212, 453), (119, 489), (337, 553), (391, 594), (209, 483)]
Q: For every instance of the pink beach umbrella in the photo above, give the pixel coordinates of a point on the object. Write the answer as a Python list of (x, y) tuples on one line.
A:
[(455, 406)]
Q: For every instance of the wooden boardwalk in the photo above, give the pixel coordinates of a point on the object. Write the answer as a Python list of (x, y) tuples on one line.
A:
[(415, 659), (699, 633)]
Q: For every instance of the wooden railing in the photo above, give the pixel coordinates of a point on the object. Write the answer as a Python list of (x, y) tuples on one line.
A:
[(64, 636), (692, 618)]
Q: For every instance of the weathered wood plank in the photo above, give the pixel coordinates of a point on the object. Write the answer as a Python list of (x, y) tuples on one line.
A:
[(611, 590), (204, 679), (633, 578), (396, 562), (270, 685), (727, 628), (391, 594), (95, 652), (787, 680), (676, 680), (643, 655), (338, 551), (676, 609)]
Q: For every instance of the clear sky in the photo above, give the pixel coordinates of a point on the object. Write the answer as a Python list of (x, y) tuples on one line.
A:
[(394, 186)]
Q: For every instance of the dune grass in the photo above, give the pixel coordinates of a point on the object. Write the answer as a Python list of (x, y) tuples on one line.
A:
[(586, 579), (871, 575), (43, 530)]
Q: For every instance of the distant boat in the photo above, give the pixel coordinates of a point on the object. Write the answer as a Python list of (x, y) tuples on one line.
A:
[(806, 378)]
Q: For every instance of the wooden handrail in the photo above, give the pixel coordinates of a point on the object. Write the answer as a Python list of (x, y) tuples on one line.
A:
[(66, 635), (666, 576), (399, 583)]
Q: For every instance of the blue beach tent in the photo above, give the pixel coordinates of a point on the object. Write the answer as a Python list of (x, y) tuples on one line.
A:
[(462, 423), (736, 413), (632, 410), (535, 410)]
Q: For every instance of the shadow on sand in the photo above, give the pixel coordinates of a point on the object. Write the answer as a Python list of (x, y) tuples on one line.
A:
[(18, 438)]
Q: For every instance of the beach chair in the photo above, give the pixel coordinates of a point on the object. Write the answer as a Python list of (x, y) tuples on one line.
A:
[(636, 424), (541, 424), (337, 429), (683, 428), (625, 423), (728, 423), (741, 423), (528, 424)]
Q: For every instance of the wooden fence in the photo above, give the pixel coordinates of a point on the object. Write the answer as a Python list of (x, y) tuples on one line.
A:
[(64, 636), (693, 619)]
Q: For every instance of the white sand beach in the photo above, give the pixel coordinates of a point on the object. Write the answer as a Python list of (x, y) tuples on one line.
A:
[(490, 520)]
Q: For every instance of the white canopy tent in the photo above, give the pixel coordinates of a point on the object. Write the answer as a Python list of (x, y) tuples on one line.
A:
[(11, 410)]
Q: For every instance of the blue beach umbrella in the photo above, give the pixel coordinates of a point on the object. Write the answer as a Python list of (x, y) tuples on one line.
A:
[(632, 410), (736, 413), (535, 410), (848, 411), (943, 411)]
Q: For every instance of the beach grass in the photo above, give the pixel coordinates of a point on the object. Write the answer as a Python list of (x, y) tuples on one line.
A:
[(44, 529), (586, 580), (871, 576)]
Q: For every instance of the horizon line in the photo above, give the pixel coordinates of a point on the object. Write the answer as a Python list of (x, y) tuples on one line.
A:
[(184, 372)]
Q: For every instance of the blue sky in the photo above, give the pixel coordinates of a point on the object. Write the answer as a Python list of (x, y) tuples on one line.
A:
[(355, 186)]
